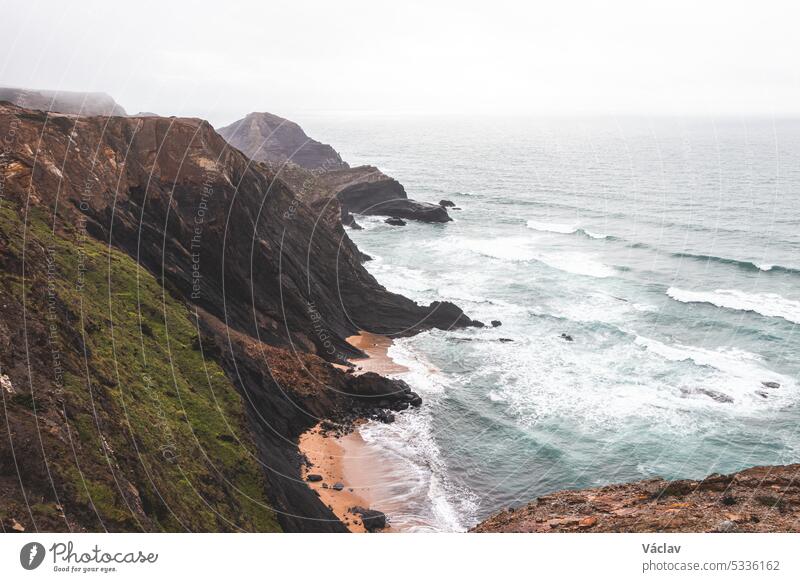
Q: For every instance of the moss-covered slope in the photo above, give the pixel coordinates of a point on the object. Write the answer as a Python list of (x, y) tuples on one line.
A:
[(114, 418)]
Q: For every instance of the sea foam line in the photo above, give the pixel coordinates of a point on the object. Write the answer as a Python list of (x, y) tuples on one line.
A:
[(766, 304), (561, 228)]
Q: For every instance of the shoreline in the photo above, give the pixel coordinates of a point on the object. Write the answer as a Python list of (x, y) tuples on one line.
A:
[(377, 349), (343, 459), (326, 454)]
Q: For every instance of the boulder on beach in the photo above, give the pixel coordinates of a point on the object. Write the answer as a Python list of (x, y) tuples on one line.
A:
[(372, 519)]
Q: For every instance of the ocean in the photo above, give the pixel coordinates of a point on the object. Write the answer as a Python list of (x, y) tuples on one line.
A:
[(667, 249)]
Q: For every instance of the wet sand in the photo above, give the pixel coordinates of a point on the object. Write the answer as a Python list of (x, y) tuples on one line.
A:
[(326, 455), (346, 459), (377, 349)]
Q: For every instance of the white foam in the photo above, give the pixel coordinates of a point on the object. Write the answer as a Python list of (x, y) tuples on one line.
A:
[(425, 499), (764, 266), (496, 396), (556, 227), (594, 235), (766, 304), (504, 248), (743, 371), (518, 249), (563, 228), (577, 263)]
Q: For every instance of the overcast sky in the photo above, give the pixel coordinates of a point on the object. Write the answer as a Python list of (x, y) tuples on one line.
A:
[(222, 59)]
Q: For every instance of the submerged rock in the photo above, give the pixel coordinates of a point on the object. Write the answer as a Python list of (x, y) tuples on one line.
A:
[(713, 394), (395, 221)]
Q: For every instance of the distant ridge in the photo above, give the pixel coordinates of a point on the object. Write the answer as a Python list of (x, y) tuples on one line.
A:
[(265, 137), (73, 102)]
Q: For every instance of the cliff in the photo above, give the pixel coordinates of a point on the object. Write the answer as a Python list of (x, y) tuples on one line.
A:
[(265, 137), (760, 499), (317, 173), (170, 309)]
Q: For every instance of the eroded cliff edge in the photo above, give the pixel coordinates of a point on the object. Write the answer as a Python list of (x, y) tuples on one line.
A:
[(759, 499)]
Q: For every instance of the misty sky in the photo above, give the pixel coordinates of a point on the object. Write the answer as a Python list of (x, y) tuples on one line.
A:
[(222, 59)]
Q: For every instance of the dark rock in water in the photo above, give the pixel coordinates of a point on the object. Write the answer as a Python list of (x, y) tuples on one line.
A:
[(395, 221), (714, 394), (384, 416), (348, 220), (505, 340), (313, 478), (762, 394), (367, 190), (455, 208), (496, 323), (446, 203), (338, 486), (567, 337), (372, 519), (773, 385)]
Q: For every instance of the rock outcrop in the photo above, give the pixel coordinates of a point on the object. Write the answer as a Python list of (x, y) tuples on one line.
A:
[(367, 190), (318, 174), (170, 309), (265, 137), (63, 101), (760, 499)]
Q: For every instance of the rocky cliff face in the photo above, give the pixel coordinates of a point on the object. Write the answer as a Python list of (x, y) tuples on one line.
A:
[(63, 101), (318, 174), (265, 137), (761, 499), (169, 311)]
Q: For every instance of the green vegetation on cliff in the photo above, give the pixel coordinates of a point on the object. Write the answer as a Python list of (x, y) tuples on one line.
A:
[(120, 422)]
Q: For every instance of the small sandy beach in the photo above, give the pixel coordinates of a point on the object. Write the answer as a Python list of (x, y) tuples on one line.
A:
[(327, 453), (326, 456), (377, 349)]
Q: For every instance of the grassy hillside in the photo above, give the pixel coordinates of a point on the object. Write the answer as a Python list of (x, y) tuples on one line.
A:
[(119, 421)]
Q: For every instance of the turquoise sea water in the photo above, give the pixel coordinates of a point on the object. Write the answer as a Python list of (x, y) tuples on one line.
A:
[(669, 249)]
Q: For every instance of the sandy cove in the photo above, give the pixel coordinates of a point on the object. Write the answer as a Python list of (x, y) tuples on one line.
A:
[(327, 453)]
